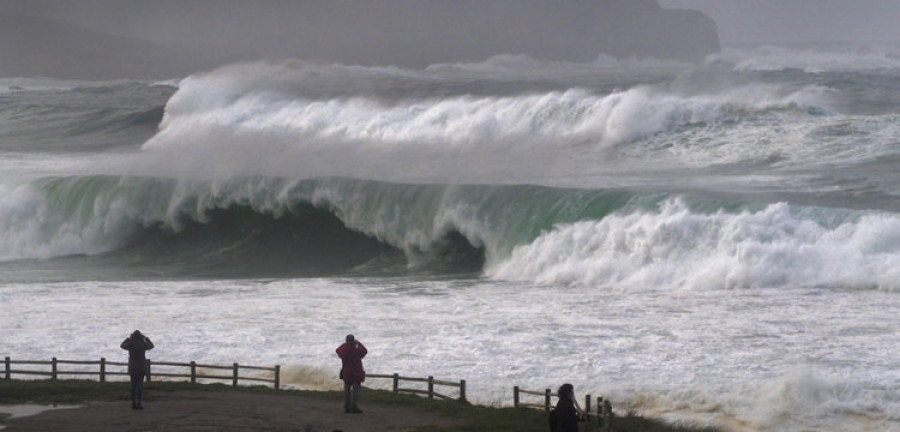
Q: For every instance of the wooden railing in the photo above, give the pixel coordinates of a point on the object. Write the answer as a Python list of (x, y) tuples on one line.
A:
[(193, 370), (603, 414), (431, 382), (197, 371)]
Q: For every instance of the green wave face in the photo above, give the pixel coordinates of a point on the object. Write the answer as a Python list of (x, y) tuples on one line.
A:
[(274, 227)]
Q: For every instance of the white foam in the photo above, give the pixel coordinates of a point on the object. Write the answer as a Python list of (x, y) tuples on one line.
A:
[(756, 359), (681, 249), (813, 59), (295, 120)]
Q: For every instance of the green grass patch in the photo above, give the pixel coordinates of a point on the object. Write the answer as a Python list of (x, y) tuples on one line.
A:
[(473, 417)]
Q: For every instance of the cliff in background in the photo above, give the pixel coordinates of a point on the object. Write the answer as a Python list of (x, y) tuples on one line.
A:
[(203, 34)]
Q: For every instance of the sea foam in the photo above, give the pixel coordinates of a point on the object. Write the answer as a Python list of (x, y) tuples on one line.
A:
[(278, 117), (678, 248)]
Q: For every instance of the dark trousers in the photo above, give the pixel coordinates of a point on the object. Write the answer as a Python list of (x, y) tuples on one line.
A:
[(351, 395), (137, 389)]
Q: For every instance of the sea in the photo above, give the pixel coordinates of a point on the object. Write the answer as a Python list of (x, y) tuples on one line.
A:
[(711, 244)]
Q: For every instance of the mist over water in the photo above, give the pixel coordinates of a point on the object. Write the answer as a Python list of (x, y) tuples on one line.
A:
[(712, 243)]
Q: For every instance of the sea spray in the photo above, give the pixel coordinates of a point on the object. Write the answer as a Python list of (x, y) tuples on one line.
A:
[(208, 108), (678, 248), (777, 188)]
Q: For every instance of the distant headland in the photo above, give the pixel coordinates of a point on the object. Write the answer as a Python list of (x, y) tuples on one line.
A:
[(201, 34)]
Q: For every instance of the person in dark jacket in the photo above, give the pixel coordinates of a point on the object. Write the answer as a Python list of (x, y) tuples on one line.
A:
[(564, 418), (137, 345), (351, 353)]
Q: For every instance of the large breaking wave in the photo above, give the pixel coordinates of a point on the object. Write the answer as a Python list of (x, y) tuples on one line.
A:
[(274, 227), (511, 169)]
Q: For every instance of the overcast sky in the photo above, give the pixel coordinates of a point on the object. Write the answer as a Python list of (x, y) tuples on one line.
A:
[(800, 20), (738, 20)]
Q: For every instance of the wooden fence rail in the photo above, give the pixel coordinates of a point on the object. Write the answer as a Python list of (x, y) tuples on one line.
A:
[(431, 382), (103, 372), (604, 412)]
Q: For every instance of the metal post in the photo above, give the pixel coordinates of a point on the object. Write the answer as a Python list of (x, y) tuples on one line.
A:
[(462, 390), (515, 396), (277, 376), (8, 370), (587, 404), (149, 374), (102, 369), (234, 380), (396, 383), (53, 371), (431, 387), (547, 400), (193, 372)]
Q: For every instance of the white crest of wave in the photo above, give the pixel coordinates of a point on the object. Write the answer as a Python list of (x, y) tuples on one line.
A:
[(288, 115), (680, 249)]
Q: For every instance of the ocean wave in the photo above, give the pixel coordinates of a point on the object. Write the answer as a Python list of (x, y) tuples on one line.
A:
[(305, 112), (814, 59), (275, 226), (680, 248), (95, 116)]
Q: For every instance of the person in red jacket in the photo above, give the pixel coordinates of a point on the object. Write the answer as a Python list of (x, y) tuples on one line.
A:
[(351, 353)]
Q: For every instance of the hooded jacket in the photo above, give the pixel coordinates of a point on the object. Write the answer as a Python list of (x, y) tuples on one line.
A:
[(351, 355), (137, 345)]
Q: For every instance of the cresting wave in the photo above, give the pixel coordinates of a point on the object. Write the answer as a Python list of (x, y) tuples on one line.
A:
[(309, 110), (265, 227), (96, 214)]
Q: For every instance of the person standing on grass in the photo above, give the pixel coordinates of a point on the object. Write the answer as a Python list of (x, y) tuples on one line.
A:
[(137, 345), (564, 418), (351, 353)]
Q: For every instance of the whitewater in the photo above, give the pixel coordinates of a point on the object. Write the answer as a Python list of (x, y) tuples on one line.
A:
[(713, 244)]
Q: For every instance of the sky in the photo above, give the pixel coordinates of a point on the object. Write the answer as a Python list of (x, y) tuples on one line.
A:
[(200, 33), (397, 32), (762, 21), (738, 20)]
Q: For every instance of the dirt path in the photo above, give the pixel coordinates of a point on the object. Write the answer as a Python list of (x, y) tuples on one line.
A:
[(225, 411)]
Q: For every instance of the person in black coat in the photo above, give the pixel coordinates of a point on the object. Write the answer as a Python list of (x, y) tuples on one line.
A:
[(564, 418), (137, 345)]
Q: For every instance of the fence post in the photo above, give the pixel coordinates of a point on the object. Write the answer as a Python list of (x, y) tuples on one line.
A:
[(234, 380), (515, 396), (600, 411), (547, 400), (149, 373), (53, 369), (8, 370), (462, 390), (277, 376), (102, 369), (607, 416), (587, 404), (396, 383), (193, 372), (431, 387)]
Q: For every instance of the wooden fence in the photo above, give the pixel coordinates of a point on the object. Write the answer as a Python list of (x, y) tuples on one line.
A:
[(431, 382), (192, 370), (195, 371), (603, 414)]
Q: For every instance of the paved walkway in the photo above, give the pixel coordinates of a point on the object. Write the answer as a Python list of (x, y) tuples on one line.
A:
[(225, 411)]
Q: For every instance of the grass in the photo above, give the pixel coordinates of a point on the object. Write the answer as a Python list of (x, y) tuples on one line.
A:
[(475, 418)]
